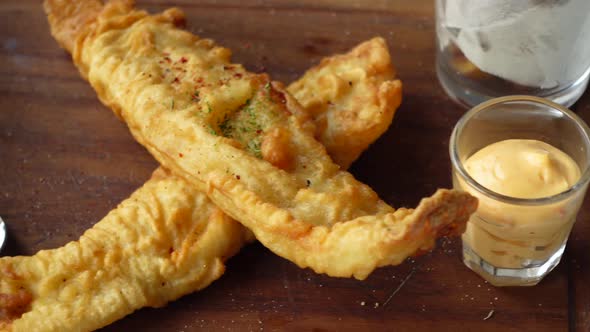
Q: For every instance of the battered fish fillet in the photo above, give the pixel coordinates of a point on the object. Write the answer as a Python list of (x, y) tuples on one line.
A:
[(161, 243), (165, 241), (247, 143), (364, 76)]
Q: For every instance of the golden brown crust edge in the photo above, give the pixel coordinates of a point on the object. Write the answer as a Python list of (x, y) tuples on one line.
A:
[(353, 248), (69, 19), (364, 79)]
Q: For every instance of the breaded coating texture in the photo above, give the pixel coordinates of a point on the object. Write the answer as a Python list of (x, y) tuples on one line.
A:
[(73, 313), (161, 243), (248, 144), (362, 79)]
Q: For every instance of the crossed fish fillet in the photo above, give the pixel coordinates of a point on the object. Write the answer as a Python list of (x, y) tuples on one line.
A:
[(166, 225), (247, 143), (181, 244)]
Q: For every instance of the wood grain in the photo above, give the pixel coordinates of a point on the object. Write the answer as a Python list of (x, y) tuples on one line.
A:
[(67, 161)]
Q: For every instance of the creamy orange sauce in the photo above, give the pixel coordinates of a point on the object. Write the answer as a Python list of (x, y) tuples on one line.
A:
[(516, 236), (523, 168)]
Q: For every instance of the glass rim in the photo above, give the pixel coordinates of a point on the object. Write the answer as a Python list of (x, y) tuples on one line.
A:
[(458, 165)]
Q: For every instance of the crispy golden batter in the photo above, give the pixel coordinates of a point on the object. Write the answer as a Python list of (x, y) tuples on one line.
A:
[(156, 246), (163, 242), (205, 119), (362, 79), (103, 264)]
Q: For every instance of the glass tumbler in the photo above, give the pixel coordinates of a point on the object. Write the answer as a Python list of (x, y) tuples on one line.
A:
[(516, 241), (493, 48)]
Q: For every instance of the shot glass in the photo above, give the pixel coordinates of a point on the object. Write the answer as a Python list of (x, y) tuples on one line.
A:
[(515, 241), (494, 48)]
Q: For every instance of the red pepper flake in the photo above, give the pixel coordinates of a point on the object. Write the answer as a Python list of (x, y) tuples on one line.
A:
[(276, 95), (176, 80), (237, 177), (238, 75), (167, 59), (183, 60), (180, 155)]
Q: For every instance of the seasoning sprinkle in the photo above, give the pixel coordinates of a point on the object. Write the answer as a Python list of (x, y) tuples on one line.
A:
[(195, 96)]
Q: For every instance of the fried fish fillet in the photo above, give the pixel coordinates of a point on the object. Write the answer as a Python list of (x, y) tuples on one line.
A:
[(165, 241), (346, 129), (161, 243), (247, 144)]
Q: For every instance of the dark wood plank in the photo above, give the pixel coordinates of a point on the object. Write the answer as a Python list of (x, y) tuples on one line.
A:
[(67, 161), (577, 256)]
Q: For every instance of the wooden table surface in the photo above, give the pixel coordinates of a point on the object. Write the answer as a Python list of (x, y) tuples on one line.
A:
[(66, 161)]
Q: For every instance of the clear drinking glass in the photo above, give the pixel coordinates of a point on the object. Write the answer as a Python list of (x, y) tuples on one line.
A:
[(514, 241), (493, 48)]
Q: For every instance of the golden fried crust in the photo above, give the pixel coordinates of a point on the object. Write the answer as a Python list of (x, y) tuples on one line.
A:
[(219, 135), (98, 265), (17, 297), (363, 80), (16, 300), (141, 81), (70, 19), (161, 243)]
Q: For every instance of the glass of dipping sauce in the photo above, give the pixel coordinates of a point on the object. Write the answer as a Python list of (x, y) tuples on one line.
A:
[(527, 160)]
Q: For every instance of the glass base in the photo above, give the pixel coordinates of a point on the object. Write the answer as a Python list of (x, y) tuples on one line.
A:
[(497, 276), (470, 96)]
